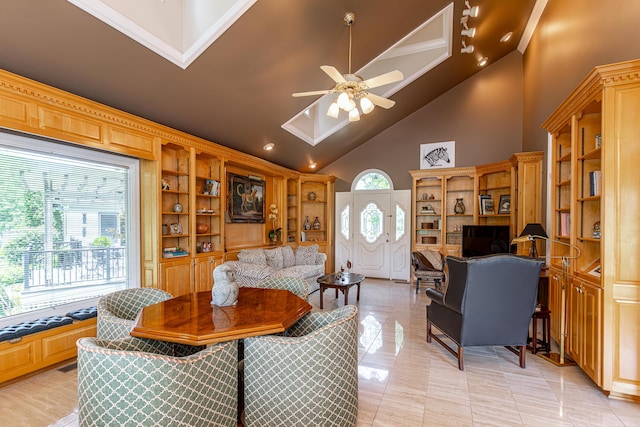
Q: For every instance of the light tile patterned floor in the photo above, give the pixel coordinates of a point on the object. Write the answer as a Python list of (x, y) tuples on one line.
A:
[(403, 380)]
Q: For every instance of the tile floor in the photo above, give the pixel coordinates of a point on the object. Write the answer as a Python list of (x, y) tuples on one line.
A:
[(403, 380)]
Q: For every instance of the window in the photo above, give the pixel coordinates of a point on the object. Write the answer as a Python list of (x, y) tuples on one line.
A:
[(372, 180), (65, 212)]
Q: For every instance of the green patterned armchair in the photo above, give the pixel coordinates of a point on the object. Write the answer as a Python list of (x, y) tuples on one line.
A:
[(307, 378), (296, 285), (117, 311), (138, 382)]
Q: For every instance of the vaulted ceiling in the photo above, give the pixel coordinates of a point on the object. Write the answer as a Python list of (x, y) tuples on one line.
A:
[(238, 91)]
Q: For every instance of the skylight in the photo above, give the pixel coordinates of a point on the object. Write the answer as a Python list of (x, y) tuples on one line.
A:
[(414, 55), (177, 30)]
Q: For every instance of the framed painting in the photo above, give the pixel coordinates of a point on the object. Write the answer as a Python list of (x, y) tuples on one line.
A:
[(505, 204), (438, 155), (245, 199)]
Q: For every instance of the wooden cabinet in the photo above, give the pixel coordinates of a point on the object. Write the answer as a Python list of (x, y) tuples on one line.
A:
[(583, 342), (174, 210), (595, 148), (293, 222), (177, 277), (437, 222), (191, 211), (203, 272), (42, 349), (314, 215)]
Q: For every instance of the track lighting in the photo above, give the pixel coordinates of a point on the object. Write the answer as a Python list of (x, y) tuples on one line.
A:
[(483, 61), (468, 32), (470, 11), (465, 48)]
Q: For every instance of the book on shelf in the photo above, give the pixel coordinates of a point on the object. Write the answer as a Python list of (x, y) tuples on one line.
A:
[(488, 207), (211, 187), (481, 203), (565, 224), (174, 254), (595, 183)]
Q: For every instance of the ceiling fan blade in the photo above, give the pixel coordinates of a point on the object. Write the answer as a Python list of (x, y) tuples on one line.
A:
[(380, 101), (315, 92), (384, 79), (333, 73)]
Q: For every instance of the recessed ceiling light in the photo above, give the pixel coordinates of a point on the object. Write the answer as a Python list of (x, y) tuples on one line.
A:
[(269, 146), (506, 37), (312, 165), (483, 61)]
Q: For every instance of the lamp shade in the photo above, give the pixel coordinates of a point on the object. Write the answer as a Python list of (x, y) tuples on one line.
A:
[(533, 229)]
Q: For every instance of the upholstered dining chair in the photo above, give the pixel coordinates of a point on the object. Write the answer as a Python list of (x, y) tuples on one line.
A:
[(489, 301), (117, 311), (307, 378), (296, 285), (428, 266), (138, 382)]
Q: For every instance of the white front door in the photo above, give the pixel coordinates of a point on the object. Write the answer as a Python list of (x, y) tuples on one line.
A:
[(373, 233), (372, 223)]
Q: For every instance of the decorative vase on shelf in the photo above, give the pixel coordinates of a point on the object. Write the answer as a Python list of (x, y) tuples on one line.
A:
[(307, 224), (459, 207), (316, 224)]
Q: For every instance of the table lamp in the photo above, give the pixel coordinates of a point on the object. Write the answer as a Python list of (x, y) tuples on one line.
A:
[(533, 231)]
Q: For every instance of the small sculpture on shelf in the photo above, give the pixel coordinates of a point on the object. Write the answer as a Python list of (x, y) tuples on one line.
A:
[(225, 288), (307, 224), (316, 224), (459, 207)]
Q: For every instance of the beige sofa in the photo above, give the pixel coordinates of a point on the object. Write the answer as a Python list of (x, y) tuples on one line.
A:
[(253, 265)]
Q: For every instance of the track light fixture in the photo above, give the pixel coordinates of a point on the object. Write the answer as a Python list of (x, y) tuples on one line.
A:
[(466, 31), (465, 48), (470, 11)]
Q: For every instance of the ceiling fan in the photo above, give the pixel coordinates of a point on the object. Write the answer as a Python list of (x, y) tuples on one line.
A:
[(352, 88)]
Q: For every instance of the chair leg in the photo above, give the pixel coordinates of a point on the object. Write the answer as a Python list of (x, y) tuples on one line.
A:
[(417, 284), (461, 358), (428, 331), (522, 355)]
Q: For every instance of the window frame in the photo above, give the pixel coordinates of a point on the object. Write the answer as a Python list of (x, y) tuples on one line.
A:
[(45, 146)]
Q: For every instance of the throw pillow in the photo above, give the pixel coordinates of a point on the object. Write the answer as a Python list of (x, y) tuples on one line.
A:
[(253, 256), (306, 255), (288, 257), (274, 258)]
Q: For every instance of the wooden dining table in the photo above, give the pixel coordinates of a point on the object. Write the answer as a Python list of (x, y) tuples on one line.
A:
[(191, 319)]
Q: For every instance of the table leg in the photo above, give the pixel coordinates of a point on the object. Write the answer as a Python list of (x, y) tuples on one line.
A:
[(358, 296), (322, 288), (346, 295), (336, 292)]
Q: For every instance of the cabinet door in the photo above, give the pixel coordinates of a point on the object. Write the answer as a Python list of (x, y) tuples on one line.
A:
[(575, 314), (204, 273), (176, 277), (584, 327), (555, 290), (590, 361)]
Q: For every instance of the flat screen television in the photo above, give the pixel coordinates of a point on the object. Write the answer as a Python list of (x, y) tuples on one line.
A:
[(479, 240)]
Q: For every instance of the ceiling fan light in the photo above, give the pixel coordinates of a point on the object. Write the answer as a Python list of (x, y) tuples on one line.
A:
[(366, 105), (351, 105), (333, 111), (354, 116), (343, 101)]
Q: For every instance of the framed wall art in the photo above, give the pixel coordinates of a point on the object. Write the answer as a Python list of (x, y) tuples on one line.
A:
[(245, 198), (438, 155), (505, 204)]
